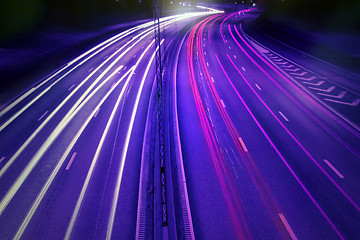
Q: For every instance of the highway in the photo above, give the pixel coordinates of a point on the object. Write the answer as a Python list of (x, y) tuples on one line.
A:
[(261, 140)]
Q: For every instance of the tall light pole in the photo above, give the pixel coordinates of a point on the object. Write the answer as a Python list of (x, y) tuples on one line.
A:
[(157, 9)]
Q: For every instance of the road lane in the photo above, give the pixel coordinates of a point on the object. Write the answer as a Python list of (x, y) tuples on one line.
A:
[(252, 150)]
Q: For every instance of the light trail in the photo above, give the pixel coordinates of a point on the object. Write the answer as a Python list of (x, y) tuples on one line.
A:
[(256, 177), (213, 10), (355, 133), (64, 75), (235, 208), (126, 144), (356, 206), (282, 157), (102, 46), (93, 163), (278, 152), (62, 160), (62, 125), (69, 116), (14, 188)]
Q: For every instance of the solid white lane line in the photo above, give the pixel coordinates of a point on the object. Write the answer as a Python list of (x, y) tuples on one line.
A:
[(287, 226), (97, 112), (42, 116), (283, 116), (2, 159), (243, 144), (71, 87), (71, 161), (258, 87), (126, 145), (333, 168)]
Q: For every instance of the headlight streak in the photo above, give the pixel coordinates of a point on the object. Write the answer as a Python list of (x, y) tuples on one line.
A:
[(117, 38), (75, 109), (356, 206), (63, 158), (80, 199), (213, 10), (93, 163), (63, 76), (36, 158), (127, 141), (102, 46), (27, 142), (229, 192), (107, 43), (14, 188)]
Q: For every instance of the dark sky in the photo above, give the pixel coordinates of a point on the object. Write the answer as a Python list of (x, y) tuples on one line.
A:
[(340, 14), (17, 16), (20, 16)]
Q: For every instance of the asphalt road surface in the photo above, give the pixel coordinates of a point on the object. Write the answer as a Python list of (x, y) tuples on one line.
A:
[(260, 140)]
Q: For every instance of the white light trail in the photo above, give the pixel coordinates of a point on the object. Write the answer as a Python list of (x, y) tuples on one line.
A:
[(97, 153), (102, 46), (27, 142), (76, 108), (125, 149), (61, 162)]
